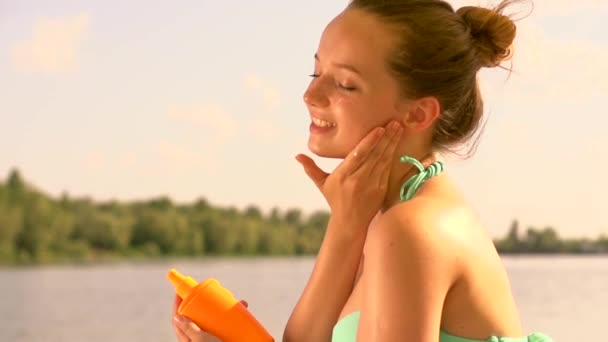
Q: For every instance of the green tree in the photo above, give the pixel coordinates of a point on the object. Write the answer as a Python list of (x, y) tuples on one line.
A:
[(220, 235), (248, 231), (511, 243), (293, 217), (275, 215), (104, 230), (602, 243), (318, 220), (16, 189), (545, 241), (253, 212), (163, 227), (11, 224), (46, 226), (278, 240)]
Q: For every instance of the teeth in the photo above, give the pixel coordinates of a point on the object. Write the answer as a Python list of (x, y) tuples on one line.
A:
[(322, 123)]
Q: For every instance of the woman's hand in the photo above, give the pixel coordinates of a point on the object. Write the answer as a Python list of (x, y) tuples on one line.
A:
[(357, 187), (188, 331)]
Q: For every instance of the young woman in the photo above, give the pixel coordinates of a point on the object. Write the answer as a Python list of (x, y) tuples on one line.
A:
[(404, 257)]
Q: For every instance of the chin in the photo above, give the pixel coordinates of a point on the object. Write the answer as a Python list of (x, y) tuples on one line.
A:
[(326, 151)]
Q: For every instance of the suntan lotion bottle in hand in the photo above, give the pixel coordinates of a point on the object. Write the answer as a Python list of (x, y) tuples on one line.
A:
[(215, 310)]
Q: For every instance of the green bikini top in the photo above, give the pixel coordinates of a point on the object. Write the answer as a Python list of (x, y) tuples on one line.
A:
[(346, 329), (409, 188)]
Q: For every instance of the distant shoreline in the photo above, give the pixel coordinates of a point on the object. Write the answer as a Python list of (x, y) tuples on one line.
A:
[(37, 229), (210, 258)]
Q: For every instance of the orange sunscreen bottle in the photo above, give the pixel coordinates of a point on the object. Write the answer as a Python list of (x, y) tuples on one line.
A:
[(215, 310)]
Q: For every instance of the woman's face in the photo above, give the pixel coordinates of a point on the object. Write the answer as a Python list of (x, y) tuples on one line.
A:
[(352, 91)]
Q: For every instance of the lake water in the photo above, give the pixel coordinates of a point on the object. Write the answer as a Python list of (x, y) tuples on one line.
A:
[(565, 297)]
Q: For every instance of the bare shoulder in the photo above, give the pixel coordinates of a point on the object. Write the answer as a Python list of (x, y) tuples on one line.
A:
[(408, 272), (425, 229), (419, 221), (432, 255)]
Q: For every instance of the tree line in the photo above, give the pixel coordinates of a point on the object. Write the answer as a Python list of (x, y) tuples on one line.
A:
[(36, 228), (547, 241)]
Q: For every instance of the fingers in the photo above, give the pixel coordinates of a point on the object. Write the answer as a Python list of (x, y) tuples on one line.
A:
[(359, 154), (176, 303), (379, 152), (381, 157), (383, 168), (187, 329), (181, 335), (317, 175)]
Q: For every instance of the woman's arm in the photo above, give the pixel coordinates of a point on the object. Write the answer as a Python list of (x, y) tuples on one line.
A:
[(329, 286), (355, 192), (408, 274)]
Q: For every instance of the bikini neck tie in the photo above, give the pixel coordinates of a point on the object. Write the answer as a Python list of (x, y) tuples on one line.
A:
[(414, 182)]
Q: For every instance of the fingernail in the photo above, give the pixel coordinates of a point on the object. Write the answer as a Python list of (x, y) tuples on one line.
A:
[(381, 131), (178, 320)]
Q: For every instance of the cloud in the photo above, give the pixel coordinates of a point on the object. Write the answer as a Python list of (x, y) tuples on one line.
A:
[(561, 68), (53, 46), (262, 125), (101, 161), (252, 81), (565, 7), (272, 98), (540, 8), (270, 95), (547, 67), (263, 128), (127, 160), (177, 156), (210, 117), (547, 70), (95, 161)]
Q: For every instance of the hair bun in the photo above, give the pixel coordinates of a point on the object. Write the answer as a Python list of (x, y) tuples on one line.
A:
[(492, 33)]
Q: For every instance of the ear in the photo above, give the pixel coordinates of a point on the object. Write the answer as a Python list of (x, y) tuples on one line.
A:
[(422, 113)]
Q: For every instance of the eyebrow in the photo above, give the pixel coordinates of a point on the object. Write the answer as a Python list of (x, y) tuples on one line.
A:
[(343, 66)]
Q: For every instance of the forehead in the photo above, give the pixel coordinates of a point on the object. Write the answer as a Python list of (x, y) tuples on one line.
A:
[(357, 38)]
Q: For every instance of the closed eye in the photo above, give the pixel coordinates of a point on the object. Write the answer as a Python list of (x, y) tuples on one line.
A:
[(343, 87), (338, 85)]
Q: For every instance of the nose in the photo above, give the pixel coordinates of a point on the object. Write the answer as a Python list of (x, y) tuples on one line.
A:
[(316, 94)]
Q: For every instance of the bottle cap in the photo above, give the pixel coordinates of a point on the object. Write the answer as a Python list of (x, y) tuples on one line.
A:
[(183, 285)]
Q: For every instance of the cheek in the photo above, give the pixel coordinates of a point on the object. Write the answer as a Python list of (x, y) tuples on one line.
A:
[(355, 120), (358, 118)]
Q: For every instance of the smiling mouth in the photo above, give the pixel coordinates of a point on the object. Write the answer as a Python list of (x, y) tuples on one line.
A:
[(322, 123)]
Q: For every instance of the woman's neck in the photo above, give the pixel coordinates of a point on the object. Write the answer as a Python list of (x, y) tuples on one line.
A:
[(400, 172)]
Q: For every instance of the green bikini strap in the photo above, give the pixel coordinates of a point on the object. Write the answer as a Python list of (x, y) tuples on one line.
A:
[(414, 182)]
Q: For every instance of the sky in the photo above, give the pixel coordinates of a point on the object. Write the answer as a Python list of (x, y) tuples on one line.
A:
[(137, 99)]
